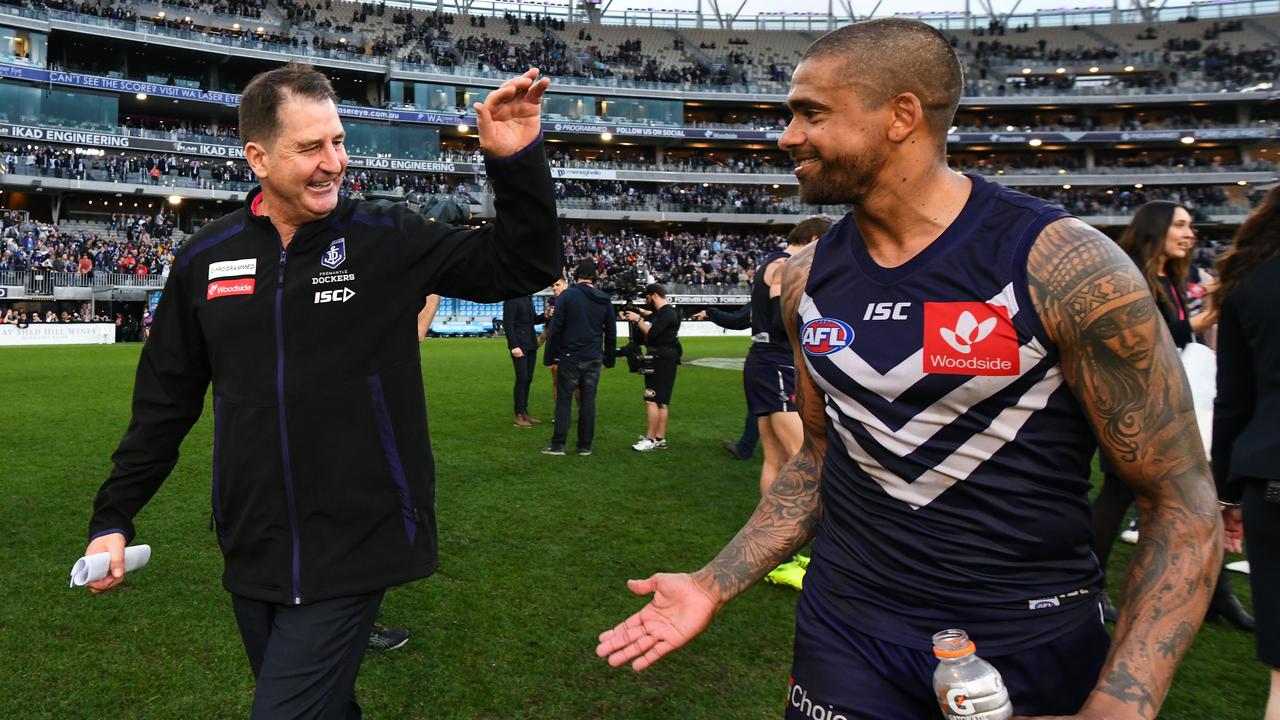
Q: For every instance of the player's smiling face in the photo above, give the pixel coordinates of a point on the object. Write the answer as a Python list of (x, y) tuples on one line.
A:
[(832, 137)]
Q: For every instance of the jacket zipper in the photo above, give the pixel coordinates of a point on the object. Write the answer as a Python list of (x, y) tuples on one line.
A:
[(284, 431)]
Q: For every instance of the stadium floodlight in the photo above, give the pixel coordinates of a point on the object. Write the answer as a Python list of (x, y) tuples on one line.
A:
[(1186, 139)]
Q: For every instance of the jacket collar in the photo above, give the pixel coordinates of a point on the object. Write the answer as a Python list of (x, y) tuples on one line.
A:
[(333, 222)]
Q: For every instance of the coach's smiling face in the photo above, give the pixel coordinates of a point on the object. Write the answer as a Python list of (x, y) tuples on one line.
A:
[(301, 167)]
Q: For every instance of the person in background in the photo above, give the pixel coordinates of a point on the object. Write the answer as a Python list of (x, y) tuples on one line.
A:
[(1246, 417), (582, 339), (740, 319), (660, 324), (557, 287), (1159, 240), (522, 343)]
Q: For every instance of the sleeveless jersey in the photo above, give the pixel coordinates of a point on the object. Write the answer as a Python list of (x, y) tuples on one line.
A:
[(957, 467), (763, 327)]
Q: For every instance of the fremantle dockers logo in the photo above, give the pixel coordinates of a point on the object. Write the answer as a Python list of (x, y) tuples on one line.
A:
[(335, 255)]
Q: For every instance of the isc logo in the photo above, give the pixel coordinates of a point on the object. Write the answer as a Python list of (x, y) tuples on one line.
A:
[(338, 295), (886, 311), (824, 336)]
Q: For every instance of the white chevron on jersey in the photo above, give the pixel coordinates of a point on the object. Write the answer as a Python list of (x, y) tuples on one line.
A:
[(920, 429), (963, 460)]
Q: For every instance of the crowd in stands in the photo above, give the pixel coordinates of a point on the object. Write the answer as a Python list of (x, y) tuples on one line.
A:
[(239, 8), (131, 244), (197, 172), (712, 258), (135, 168), (1084, 202), (12, 316), (426, 37)]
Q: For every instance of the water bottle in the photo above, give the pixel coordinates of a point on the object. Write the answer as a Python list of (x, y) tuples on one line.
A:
[(967, 687)]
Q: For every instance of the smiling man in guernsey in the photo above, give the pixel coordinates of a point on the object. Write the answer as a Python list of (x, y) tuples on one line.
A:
[(301, 309)]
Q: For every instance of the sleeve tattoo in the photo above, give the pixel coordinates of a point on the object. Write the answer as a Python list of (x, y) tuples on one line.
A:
[(788, 514), (1119, 360)]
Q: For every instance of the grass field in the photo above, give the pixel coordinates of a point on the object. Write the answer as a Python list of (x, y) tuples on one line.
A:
[(535, 552)]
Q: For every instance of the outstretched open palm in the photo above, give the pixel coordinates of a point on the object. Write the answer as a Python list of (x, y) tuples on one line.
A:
[(510, 117), (678, 611)]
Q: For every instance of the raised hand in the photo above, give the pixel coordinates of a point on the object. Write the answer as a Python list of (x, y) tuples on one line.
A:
[(678, 611), (510, 117)]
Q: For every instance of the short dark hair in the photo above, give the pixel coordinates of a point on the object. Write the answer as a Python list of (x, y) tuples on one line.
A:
[(655, 289), (261, 100), (586, 270), (806, 230), (898, 55)]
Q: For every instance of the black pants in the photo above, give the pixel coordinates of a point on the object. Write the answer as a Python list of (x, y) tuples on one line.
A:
[(305, 658), (524, 378), (572, 376)]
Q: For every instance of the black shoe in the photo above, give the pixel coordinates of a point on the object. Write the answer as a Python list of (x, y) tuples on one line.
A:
[(1109, 611), (584, 451), (1227, 606), (553, 450), (385, 638)]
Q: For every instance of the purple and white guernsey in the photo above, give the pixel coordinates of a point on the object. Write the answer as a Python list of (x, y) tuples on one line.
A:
[(957, 468)]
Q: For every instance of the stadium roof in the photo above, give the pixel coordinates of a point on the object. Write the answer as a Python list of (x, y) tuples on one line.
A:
[(819, 15)]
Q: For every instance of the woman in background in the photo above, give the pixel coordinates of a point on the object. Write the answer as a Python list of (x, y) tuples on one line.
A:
[(1158, 240), (1246, 417)]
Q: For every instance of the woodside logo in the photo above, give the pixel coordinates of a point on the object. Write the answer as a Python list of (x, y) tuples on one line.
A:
[(969, 338), (227, 288)]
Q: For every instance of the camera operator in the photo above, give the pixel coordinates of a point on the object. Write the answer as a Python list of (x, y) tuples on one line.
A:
[(660, 327)]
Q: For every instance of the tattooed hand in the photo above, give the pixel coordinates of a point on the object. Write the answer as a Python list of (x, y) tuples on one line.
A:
[(1118, 358), (683, 605)]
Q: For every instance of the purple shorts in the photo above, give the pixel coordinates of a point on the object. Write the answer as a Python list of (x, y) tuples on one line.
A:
[(839, 673)]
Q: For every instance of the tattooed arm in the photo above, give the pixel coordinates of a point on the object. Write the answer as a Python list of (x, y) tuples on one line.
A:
[(1118, 359), (784, 520), (788, 513)]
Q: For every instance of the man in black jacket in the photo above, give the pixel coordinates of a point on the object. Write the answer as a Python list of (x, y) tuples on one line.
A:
[(301, 310), (582, 337), (522, 342)]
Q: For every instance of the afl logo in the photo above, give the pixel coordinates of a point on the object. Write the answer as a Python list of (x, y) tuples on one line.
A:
[(824, 336)]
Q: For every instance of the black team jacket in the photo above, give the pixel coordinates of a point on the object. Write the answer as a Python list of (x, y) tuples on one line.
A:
[(323, 477)]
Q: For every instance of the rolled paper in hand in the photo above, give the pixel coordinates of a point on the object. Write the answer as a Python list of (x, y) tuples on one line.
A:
[(92, 568)]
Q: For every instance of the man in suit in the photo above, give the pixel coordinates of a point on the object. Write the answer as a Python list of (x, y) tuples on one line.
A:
[(518, 319)]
